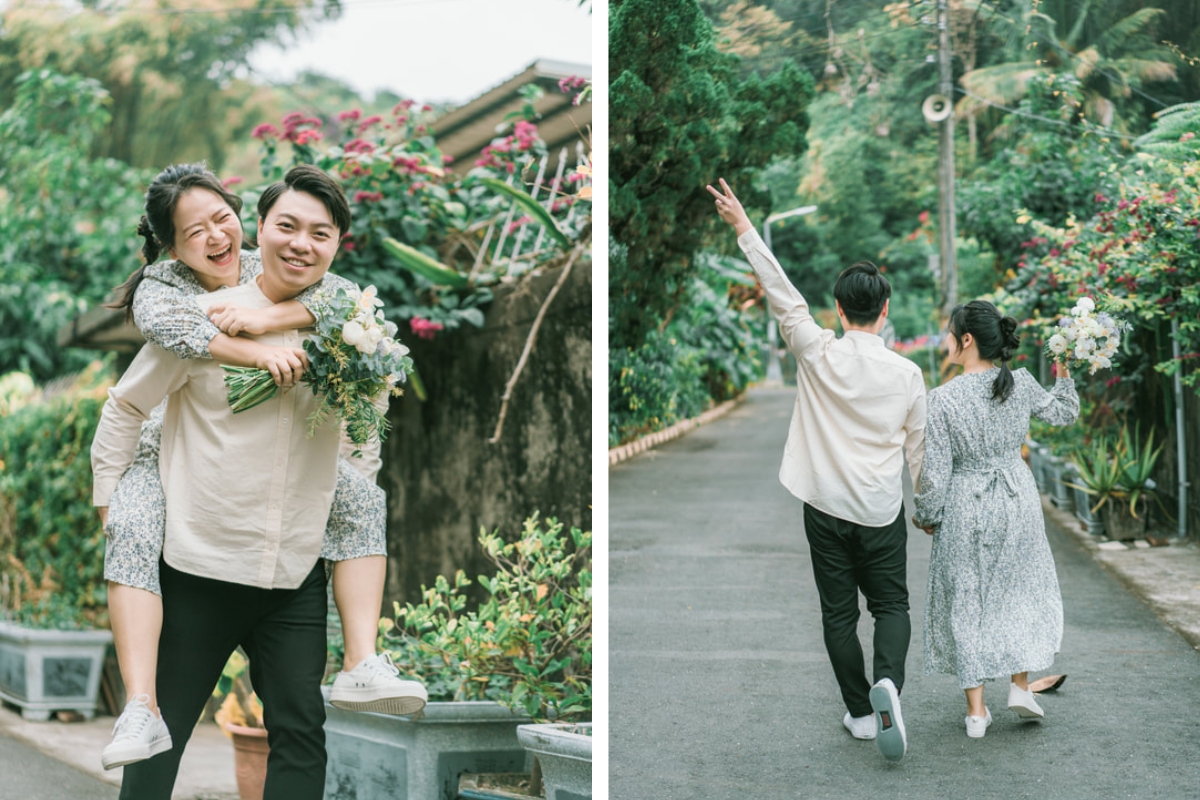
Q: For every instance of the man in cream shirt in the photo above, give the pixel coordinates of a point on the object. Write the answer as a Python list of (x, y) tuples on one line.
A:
[(247, 498), (860, 413)]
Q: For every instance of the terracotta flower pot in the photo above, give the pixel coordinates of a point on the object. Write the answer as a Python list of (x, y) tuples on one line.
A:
[(250, 750)]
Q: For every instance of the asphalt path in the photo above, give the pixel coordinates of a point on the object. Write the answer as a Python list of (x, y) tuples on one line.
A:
[(27, 774), (720, 687)]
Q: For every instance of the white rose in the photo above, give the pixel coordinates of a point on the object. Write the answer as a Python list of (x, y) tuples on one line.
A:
[(353, 332), (370, 341), (1086, 304), (397, 349), (1057, 344)]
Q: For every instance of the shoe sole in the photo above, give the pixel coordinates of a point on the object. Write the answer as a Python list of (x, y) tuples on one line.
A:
[(124, 759), (1027, 713), (396, 706), (890, 736)]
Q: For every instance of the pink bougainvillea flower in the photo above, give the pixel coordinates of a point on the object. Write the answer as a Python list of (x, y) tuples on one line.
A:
[(374, 119), (359, 146), (232, 180), (367, 197), (264, 130), (515, 224), (425, 328), (350, 115), (306, 136)]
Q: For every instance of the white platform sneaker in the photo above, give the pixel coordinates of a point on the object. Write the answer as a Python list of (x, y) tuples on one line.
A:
[(1024, 703), (138, 734), (375, 685)]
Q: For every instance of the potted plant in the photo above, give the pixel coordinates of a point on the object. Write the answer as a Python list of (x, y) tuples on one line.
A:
[(520, 655), (240, 717), (1127, 514), (1115, 474), (53, 611)]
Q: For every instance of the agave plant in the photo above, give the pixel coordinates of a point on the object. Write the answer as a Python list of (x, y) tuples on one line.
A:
[(1118, 469), (1099, 470)]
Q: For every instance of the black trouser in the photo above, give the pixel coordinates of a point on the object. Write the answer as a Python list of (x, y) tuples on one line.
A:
[(848, 558), (283, 633)]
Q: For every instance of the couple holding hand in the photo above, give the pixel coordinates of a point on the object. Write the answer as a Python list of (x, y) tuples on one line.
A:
[(993, 609)]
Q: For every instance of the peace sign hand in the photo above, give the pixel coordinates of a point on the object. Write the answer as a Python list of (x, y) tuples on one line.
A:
[(730, 208)]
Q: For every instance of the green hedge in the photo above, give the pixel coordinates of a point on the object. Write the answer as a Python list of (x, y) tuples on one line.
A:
[(51, 542)]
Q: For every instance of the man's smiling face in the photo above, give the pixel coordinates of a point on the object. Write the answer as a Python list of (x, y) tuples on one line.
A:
[(299, 240)]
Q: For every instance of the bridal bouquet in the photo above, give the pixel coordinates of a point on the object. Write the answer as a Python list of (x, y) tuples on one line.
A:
[(1084, 336), (353, 357)]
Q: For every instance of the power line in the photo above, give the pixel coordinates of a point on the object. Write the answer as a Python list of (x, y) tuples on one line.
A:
[(1027, 115)]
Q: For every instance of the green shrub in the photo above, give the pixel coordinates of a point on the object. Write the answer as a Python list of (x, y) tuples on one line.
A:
[(529, 646), (653, 387), (51, 542)]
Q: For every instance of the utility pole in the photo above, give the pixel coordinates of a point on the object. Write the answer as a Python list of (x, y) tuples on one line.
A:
[(946, 225)]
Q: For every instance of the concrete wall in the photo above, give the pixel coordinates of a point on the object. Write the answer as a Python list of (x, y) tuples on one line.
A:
[(444, 481)]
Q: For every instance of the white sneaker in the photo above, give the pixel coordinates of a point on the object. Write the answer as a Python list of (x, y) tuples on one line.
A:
[(1024, 703), (889, 730), (138, 734), (860, 727), (375, 685), (977, 726)]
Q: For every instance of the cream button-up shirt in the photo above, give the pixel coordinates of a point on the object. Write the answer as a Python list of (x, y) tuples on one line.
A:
[(860, 408), (247, 494)]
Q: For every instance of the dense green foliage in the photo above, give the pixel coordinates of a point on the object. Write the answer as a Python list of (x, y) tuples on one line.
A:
[(1053, 97), (528, 645), (66, 218), (175, 79), (680, 118), (51, 542), (708, 352)]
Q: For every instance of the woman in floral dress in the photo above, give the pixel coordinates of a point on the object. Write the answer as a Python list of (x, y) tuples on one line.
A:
[(994, 607)]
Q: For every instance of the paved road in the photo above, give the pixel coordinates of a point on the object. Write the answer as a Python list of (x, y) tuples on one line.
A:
[(28, 774), (720, 687)]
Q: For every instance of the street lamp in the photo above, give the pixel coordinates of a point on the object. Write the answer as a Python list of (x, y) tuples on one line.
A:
[(774, 373)]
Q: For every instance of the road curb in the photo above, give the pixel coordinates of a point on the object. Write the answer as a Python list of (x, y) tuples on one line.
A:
[(630, 449)]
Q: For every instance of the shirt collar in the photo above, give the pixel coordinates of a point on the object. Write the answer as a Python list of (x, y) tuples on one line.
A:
[(871, 339)]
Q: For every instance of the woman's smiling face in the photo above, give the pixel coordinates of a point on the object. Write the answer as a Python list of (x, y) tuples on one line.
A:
[(208, 238)]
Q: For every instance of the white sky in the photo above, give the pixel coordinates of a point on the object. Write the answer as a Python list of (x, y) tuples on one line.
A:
[(433, 50)]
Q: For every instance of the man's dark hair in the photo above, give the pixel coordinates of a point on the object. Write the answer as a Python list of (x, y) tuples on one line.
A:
[(862, 290), (310, 180)]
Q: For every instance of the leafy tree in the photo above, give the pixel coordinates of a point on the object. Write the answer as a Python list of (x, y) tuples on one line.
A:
[(172, 71), (679, 119), (66, 219), (1051, 171), (1111, 58)]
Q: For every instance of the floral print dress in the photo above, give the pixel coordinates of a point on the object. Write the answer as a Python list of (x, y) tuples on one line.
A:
[(168, 316), (993, 606)]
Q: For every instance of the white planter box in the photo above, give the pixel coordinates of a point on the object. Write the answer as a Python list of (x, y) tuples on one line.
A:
[(383, 757), (565, 753), (43, 671)]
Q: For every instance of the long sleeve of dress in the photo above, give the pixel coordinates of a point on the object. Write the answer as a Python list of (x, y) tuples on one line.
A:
[(1060, 405), (934, 482), (796, 324), (166, 312)]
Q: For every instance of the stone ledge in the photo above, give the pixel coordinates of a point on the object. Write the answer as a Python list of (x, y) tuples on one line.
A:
[(630, 449)]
